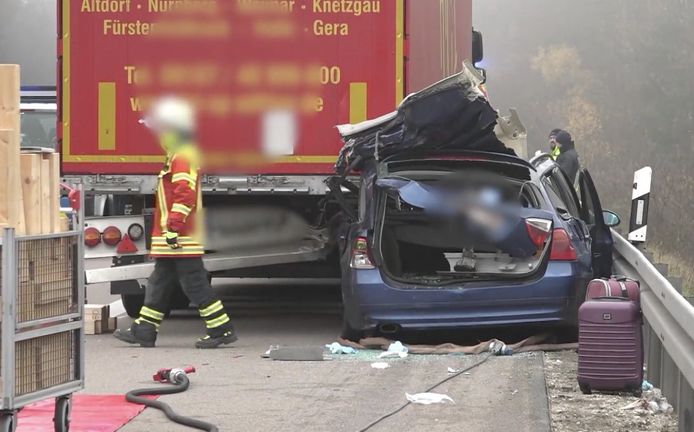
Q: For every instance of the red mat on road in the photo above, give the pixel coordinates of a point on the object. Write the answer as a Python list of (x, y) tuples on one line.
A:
[(90, 413)]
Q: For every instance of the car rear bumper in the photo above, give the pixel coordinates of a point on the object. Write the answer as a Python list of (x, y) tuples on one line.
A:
[(371, 302)]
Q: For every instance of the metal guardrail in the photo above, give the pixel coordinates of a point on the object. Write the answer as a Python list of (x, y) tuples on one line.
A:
[(668, 330)]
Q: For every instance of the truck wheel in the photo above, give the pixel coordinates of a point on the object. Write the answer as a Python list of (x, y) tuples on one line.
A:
[(133, 303)]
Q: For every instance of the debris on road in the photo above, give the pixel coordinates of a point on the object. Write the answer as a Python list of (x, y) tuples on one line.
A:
[(652, 401), (336, 348), (428, 398), (380, 365), (646, 386), (572, 411), (266, 354), (500, 348), (310, 353), (396, 349), (540, 342)]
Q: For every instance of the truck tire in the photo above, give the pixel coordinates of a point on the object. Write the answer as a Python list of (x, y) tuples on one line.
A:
[(132, 304)]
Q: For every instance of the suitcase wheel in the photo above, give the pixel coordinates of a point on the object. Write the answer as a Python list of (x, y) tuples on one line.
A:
[(637, 392), (585, 389)]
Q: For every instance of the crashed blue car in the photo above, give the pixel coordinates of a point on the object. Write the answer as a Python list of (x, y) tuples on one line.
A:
[(449, 229)]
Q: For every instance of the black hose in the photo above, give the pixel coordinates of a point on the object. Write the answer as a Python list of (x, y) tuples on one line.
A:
[(406, 404), (180, 386)]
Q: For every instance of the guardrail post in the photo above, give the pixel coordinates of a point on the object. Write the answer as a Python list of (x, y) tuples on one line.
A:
[(670, 378), (638, 222), (686, 408), (654, 348)]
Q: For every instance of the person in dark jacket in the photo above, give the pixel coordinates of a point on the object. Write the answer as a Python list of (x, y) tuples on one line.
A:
[(553, 147), (568, 158)]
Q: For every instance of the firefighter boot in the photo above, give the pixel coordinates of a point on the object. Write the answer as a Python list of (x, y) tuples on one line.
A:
[(219, 328), (221, 336), (141, 332)]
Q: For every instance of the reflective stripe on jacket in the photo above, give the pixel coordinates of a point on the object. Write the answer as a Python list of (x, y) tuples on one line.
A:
[(179, 205)]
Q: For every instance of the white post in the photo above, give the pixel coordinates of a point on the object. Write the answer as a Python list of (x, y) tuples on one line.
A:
[(639, 205)]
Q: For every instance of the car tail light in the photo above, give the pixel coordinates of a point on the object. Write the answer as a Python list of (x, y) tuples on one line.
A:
[(92, 237), (562, 249), (361, 257), (111, 235), (538, 230)]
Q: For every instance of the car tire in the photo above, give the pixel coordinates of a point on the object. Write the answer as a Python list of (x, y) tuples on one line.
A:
[(350, 333)]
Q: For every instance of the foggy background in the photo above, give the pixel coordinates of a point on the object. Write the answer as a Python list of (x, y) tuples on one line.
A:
[(619, 76), (28, 36)]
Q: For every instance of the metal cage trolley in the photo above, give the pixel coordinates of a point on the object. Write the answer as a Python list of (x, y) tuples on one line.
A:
[(42, 346)]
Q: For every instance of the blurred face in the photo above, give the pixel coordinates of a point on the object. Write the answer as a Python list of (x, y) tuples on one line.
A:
[(552, 142)]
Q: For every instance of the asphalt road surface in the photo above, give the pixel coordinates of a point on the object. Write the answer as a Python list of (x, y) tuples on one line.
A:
[(239, 391)]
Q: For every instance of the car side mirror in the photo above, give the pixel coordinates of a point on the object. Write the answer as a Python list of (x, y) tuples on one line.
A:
[(611, 218), (477, 47)]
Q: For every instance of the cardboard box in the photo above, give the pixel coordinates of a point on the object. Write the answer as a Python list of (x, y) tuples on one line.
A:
[(97, 319), (96, 312)]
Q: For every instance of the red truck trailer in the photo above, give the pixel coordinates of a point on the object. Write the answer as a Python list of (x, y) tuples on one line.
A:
[(270, 80)]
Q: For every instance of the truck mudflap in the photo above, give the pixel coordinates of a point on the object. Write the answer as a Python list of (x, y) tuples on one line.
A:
[(304, 251)]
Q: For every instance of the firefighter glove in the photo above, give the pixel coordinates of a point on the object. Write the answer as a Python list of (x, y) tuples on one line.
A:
[(172, 239)]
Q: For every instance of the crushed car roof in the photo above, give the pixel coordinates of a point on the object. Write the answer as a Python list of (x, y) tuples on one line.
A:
[(452, 114)]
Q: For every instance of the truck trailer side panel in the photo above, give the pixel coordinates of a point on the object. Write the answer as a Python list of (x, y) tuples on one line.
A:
[(270, 84)]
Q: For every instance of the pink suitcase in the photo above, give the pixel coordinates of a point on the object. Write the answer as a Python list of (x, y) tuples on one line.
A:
[(615, 286), (610, 344)]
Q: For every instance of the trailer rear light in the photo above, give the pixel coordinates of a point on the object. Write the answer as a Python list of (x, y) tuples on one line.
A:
[(111, 235), (361, 256), (92, 237), (562, 249), (538, 230), (135, 231)]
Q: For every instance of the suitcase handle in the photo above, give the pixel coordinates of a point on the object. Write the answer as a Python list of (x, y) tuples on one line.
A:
[(611, 298)]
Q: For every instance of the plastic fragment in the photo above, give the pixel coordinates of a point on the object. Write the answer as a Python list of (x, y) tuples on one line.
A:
[(428, 398), (336, 348), (380, 365), (396, 349)]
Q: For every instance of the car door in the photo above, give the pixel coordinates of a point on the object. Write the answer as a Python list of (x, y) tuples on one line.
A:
[(565, 202), (591, 214)]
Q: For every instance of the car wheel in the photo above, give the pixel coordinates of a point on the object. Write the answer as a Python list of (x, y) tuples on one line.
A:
[(350, 333)]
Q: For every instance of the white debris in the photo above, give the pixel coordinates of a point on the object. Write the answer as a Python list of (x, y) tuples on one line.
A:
[(396, 349), (380, 365), (428, 398)]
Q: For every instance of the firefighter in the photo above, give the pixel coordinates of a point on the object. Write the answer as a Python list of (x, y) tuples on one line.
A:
[(177, 234), (553, 147)]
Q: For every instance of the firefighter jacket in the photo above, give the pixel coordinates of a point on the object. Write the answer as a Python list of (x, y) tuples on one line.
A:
[(179, 205)]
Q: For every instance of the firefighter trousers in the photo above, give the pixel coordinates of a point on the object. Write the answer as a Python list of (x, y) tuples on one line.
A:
[(191, 276)]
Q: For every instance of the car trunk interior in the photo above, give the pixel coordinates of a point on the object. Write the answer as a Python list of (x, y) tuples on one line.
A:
[(428, 248)]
